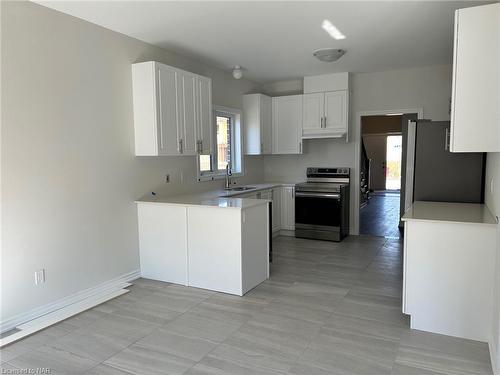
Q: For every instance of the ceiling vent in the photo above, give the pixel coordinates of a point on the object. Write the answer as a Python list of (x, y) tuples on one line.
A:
[(328, 54)]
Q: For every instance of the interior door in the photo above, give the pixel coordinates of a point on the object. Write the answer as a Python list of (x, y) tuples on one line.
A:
[(376, 149), (205, 113), (168, 129), (313, 111), (187, 111), (336, 110)]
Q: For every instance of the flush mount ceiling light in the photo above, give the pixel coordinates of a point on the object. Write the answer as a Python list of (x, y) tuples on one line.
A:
[(328, 54), (237, 72), (332, 30)]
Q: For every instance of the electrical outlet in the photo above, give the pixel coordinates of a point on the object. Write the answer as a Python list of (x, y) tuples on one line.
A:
[(39, 276), (167, 178)]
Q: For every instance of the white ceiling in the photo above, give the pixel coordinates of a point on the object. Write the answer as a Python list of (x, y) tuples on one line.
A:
[(274, 41)]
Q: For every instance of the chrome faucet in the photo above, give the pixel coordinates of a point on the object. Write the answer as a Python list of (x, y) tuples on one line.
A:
[(229, 173)]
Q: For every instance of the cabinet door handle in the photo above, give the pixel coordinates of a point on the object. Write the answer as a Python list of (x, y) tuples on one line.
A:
[(201, 146), (446, 139), (300, 147), (180, 146)]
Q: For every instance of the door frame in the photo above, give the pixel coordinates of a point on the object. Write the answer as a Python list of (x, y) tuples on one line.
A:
[(357, 154)]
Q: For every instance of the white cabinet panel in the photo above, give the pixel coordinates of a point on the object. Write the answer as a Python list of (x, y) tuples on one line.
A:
[(313, 111), (204, 114), (336, 109), (287, 124), (475, 115), (257, 112), (187, 111), (168, 129), (214, 241), (288, 208), (266, 124), (162, 243)]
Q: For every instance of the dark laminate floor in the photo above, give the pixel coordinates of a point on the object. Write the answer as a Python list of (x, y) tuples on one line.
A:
[(380, 217), (328, 308)]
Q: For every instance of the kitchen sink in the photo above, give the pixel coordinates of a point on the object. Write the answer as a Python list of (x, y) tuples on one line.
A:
[(241, 188)]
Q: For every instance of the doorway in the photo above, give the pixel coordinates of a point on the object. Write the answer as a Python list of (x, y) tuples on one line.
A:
[(381, 161)]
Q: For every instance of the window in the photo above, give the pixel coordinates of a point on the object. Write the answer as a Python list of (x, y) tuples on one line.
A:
[(227, 146)]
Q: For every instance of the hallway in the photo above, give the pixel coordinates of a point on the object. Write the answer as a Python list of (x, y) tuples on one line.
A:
[(380, 217)]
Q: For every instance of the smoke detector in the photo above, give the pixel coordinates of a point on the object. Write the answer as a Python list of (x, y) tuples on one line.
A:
[(328, 54), (237, 72)]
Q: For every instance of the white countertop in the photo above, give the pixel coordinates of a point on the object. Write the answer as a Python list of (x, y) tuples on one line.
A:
[(451, 212), (215, 198)]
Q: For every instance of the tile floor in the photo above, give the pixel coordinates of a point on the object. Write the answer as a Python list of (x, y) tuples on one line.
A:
[(328, 308), (380, 217)]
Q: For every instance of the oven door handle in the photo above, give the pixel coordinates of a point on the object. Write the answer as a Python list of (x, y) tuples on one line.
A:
[(317, 195)]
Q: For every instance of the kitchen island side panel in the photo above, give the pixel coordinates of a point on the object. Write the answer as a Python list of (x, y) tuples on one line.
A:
[(448, 273)]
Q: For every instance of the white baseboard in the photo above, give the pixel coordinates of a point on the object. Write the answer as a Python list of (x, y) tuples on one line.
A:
[(287, 232), (104, 288)]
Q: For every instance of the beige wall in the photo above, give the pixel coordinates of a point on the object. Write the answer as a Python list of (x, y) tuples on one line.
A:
[(69, 174), (493, 202), (428, 88)]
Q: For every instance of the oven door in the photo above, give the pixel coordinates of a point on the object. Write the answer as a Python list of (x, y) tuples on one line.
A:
[(317, 209), (318, 215)]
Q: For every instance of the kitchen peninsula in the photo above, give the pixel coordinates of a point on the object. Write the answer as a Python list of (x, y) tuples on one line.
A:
[(211, 240)]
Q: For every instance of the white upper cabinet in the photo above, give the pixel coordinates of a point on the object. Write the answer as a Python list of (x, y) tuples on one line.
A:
[(475, 114), (172, 110), (325, 114), (314, 111), (326, 106), (257, 112), (287, 124)]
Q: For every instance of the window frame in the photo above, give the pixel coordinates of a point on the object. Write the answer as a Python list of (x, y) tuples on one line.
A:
[(237, 157)]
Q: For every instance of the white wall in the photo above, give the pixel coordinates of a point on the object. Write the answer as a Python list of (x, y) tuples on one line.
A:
[(428, 88), (492, 199), (69, 174)]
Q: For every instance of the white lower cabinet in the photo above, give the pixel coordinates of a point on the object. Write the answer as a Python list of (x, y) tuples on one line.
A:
[(276, 196), (288, 208), (162, 242), (227, 248), (448, 277), (215, 248)]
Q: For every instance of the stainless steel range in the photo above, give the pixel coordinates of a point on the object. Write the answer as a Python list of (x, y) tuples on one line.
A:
[(322, 204)]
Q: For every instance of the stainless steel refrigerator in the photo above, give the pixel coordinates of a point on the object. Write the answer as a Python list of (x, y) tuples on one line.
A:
[(433, 173)]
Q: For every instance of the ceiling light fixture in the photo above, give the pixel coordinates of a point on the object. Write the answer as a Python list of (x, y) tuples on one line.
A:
[(237, 72), (328, 54), (332, 30)]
